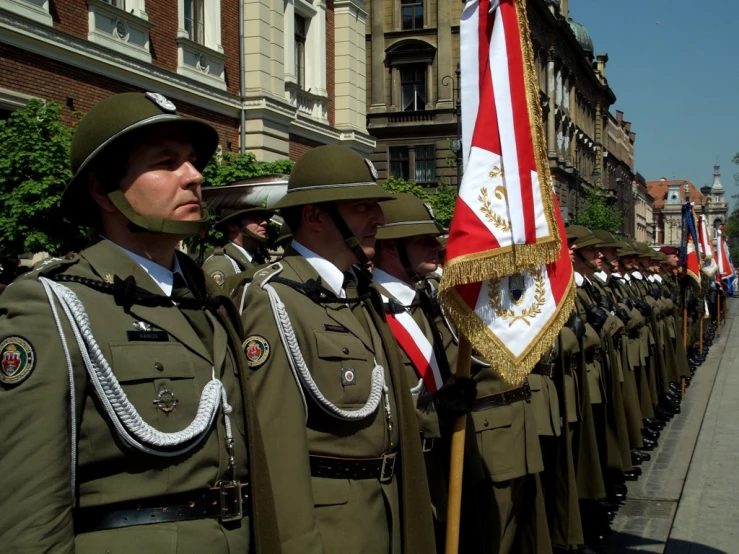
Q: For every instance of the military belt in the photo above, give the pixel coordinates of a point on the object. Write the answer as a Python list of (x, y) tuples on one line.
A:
[(227, 501), (502, 398), (593, 355), (547, 370), (382, 468)]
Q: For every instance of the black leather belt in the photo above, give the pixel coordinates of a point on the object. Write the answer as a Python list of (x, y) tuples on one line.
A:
[(593, 355), (502, 398), (228, 501), (547, 370), (354, 468)]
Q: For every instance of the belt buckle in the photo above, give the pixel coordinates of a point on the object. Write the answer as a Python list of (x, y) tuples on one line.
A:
[(426, 445), (387, 470), (229, 494)]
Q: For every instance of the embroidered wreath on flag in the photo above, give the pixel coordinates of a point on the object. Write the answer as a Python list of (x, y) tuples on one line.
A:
[(487, 209), (496, 300)]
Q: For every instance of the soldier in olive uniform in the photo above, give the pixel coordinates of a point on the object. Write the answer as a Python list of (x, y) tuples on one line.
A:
[(106, 354), (407, 254), (329, 381), (246, 232)]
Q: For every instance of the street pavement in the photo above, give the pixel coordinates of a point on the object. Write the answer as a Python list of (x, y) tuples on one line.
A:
[(687, 499)]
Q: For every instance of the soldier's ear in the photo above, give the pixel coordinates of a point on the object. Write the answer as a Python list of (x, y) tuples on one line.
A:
[(314, 218), (99, 193)]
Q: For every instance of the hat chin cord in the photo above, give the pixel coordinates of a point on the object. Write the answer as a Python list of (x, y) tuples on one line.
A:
[(255, 237), (591, 265), (140, 224), (349, 239), (405, 261)]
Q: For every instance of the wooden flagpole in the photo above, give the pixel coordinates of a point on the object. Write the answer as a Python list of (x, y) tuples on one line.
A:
[(456, 462), (718, 314)]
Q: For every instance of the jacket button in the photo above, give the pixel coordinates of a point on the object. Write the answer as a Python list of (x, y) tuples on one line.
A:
[(485, 423), (159, 366), (345, 350)]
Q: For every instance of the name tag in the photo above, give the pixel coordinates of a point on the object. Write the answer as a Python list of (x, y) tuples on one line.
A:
[(156, 336)]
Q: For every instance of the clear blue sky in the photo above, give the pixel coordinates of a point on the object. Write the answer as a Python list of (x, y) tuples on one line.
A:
[(673, 65)]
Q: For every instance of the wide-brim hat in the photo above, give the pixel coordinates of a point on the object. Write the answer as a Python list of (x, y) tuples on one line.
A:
[(408, 216), (607, 240), (227, 215), (331, 174), (625, 249), (112, 119), (581, 236)]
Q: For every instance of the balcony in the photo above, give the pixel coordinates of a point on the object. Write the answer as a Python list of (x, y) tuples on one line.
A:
[(122, 31), (310, 105), (411, 117)]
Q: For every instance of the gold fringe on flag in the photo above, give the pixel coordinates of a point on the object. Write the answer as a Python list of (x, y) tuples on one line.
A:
[(512, 371)]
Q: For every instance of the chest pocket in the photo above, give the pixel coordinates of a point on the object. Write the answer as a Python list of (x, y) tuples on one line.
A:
[(344, 371), (153, 371)]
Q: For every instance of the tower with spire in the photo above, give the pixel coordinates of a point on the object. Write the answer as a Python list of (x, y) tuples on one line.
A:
[(715, 208)]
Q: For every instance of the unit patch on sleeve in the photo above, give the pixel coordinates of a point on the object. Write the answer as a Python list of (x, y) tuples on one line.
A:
[(218, 276), (17, 359), (256, 349)]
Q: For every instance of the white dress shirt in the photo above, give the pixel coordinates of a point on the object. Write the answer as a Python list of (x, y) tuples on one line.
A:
[(160, 274), (243, 251), (401, 290), (331, 275)]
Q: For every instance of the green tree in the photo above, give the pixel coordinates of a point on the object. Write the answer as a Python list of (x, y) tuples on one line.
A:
[(34, 169), (599, 213), (441, 200)]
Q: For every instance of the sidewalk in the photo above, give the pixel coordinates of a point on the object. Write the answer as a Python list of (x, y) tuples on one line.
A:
[(687, 499)]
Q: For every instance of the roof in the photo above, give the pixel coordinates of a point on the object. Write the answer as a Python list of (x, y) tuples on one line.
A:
[(658, 190)]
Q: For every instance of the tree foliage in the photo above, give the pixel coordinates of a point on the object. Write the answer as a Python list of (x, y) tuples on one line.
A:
[(599, 213), (441, 200), (34, 169)]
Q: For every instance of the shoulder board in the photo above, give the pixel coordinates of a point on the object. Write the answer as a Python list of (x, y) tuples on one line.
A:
[(51, 265), (266, 273)]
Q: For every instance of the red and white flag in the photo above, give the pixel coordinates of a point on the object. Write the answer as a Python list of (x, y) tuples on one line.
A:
[(725, 269), (710, 265), (508, 280)]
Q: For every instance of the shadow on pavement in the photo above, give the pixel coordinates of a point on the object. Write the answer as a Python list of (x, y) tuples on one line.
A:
[(625, 542)]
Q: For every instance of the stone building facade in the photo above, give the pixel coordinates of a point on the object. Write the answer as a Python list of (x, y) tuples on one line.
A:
[(618, 171), (669, 196), (77, 52), (412, 53)]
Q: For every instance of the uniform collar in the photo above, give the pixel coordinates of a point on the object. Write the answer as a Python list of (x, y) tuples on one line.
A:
[(329, 273), (162, 276), (627, 277), (400, 290), (579, 279), (637, 275), (602, 276), (658, 278), (243, 250)]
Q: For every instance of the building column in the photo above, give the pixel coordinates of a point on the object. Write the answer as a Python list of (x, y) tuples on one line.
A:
[(444, 65), (551, 124), (378, 57), (351, 79)]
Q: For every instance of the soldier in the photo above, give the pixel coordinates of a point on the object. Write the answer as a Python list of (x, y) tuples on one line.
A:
[(330, 387), (407, 253), (246, 232), (106, 354)]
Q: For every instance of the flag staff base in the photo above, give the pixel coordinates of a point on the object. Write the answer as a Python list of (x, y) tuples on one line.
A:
[(456, 462)]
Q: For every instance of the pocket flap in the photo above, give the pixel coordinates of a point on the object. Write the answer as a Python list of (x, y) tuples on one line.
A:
[(330, 492), (146, 361), (343, 346), (494, 418), (534, 381)]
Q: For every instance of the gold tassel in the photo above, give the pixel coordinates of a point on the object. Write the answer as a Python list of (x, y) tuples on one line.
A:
[(483, 341)]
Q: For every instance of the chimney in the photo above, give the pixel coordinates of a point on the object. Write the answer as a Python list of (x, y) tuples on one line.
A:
[(602, 60), (564, 8), (619, 116)]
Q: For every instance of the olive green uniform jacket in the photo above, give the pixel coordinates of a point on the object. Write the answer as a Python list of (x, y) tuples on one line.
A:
[(226, 261), (38, 437), (322, 514)]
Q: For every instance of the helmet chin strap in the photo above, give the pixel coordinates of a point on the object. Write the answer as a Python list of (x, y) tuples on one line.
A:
[(591, 265), (255, 237), (140, 224), (405, 261), (349, 239)]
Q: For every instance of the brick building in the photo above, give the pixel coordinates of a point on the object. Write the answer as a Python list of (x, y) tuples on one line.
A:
[(77, 52)]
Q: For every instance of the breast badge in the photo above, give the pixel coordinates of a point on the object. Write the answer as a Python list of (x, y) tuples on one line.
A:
[(166, 400), (218, 277), (17, 359), (256, 349)]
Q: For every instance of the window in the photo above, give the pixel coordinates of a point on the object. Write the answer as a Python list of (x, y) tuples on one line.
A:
[(194, 20), (301, 26), (399, 162), (412, 14), (425, 163), (413, 87), (117, 3)]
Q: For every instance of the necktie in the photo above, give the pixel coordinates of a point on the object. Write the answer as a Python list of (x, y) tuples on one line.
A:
[(197, 318), (350, 285), (350, 290)]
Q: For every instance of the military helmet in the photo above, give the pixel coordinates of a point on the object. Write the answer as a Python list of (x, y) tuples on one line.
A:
[(408, 216), (102, 129), (643, 250), (607, 240), (226, 214), (626, 249), (329, 174), (582, 236)]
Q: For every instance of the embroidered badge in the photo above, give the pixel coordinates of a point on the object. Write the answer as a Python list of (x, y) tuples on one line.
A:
[(108, 278), (256, 349), (348, 377), (166, 400), (218, 277), (372, 169), (161, 101), (17, 359)]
